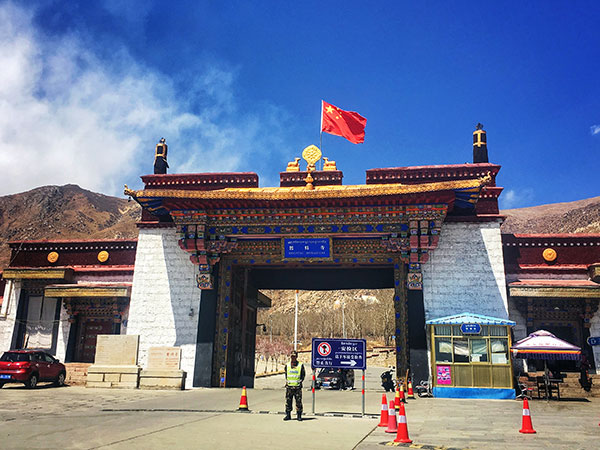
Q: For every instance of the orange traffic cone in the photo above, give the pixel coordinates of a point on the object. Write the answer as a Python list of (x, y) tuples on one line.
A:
[(243, 401), (402, 399), (402, 435), (383, 420), (411, 393), (527, 426), (397, 399), (392, 425)]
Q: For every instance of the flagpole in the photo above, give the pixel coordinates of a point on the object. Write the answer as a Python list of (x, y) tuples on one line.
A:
[(321, 133)]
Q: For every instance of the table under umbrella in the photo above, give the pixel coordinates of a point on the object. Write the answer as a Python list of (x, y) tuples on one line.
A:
[(544, 345)]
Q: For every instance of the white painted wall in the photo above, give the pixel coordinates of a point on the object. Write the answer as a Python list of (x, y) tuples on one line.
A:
[(164, 292), (8, 313), (466, 272), (595, 331)]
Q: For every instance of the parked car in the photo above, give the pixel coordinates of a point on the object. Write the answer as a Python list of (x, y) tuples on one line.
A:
[(335, 379), (29, 367)]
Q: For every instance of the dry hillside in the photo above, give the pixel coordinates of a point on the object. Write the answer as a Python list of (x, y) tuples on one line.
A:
[(582, 216), (64, 212)]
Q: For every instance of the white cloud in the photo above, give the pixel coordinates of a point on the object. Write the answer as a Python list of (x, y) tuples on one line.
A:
[(595, 129), (68, 116), (511, 198)]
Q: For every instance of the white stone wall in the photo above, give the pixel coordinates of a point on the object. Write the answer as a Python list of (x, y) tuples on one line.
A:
[(466, 272), (8, 313), (595, 331), (164, 293)]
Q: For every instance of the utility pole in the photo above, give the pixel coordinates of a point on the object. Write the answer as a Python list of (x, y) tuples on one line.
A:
[(296, 323)]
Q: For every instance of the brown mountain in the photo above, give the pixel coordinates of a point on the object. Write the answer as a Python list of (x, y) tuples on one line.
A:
[(64, 212), (582, 216)]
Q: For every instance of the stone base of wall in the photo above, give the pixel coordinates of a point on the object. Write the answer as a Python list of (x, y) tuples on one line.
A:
[(124, 377), (162, 379), (76, 373)]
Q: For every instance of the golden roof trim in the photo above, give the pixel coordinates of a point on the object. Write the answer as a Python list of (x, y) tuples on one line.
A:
[(301, 192), (36, 274), (554, 291), (87, 291)]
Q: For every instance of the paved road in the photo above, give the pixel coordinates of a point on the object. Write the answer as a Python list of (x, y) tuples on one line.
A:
[(74, 417)]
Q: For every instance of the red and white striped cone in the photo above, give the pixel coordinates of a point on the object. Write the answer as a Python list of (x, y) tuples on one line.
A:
[(383, 419), (402, 434), (527, 426), (392, 425)]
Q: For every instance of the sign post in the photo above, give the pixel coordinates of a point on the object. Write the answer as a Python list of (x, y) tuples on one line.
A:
[(340, 354)]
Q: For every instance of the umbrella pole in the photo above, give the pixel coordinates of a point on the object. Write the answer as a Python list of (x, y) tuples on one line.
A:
[(546, 378)]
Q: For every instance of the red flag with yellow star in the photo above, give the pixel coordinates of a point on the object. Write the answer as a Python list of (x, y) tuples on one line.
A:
[(348, 124)]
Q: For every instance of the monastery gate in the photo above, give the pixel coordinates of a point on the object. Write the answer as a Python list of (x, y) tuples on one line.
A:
[(235, 234)]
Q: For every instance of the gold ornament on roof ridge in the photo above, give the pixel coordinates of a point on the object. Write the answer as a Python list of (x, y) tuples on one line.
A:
[(103, 256), (52, 257), (311, 155)]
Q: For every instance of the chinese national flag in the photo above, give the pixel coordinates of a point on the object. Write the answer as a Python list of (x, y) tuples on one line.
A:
[(348, 124)]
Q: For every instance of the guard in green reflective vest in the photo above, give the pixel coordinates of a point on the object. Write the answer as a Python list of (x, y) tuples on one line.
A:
[(294, 376)]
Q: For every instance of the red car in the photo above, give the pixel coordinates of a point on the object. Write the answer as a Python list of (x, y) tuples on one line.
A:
[(29, 367)]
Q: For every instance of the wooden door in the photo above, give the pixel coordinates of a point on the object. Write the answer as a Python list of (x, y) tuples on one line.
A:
[(85, 348)]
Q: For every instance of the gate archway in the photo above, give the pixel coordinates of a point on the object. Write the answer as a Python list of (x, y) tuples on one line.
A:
[(233, 230)]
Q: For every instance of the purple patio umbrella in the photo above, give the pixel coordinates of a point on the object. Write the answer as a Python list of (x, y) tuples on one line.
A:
[(544, 345)]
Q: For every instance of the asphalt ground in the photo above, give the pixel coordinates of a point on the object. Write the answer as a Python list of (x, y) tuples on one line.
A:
[(76, 417)]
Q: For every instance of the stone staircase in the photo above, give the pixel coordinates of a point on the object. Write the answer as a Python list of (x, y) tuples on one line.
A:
[(76, 373)]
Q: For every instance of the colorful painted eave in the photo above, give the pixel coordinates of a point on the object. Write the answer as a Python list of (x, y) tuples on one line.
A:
[(459, 319), (471, 188)]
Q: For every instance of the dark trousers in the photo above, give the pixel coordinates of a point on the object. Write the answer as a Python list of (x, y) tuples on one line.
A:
[(293, 392)]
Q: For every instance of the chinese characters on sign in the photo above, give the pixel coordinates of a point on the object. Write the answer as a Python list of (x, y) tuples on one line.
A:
[(307, 248), (339, 353)]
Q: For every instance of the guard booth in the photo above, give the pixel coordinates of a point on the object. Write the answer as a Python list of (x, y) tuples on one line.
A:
[(470, 357)]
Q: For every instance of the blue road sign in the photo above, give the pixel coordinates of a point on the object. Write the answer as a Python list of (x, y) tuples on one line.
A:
[(593, 340), (339, 353)]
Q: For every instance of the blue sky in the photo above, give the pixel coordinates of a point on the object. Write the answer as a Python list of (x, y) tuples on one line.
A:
[(88, 88)]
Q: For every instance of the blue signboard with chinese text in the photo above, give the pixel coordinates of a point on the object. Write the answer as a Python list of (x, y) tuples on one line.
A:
[(470, 328), (339, 353), (307, 248)]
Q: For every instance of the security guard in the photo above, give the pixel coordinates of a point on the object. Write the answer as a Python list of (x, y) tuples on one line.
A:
[(294, 376)]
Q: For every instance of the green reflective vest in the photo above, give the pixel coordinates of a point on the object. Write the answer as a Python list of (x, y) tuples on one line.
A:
[(292, 374)]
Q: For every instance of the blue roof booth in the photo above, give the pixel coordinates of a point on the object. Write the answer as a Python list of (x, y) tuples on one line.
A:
[(470, 357)]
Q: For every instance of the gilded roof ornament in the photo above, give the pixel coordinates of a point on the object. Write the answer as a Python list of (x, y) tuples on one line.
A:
[(293, 166), (311, 155)]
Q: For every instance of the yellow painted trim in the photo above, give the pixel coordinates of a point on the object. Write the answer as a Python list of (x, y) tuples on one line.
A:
[(87, 291), (36, 274), (559, 291)]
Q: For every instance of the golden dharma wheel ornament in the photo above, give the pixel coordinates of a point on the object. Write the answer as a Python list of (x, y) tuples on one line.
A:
[(103, 256), (52, 257), (549, 254), (311, 155)]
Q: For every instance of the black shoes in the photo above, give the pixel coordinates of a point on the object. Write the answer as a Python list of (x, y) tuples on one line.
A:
[(287, 417), (299, 417)]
